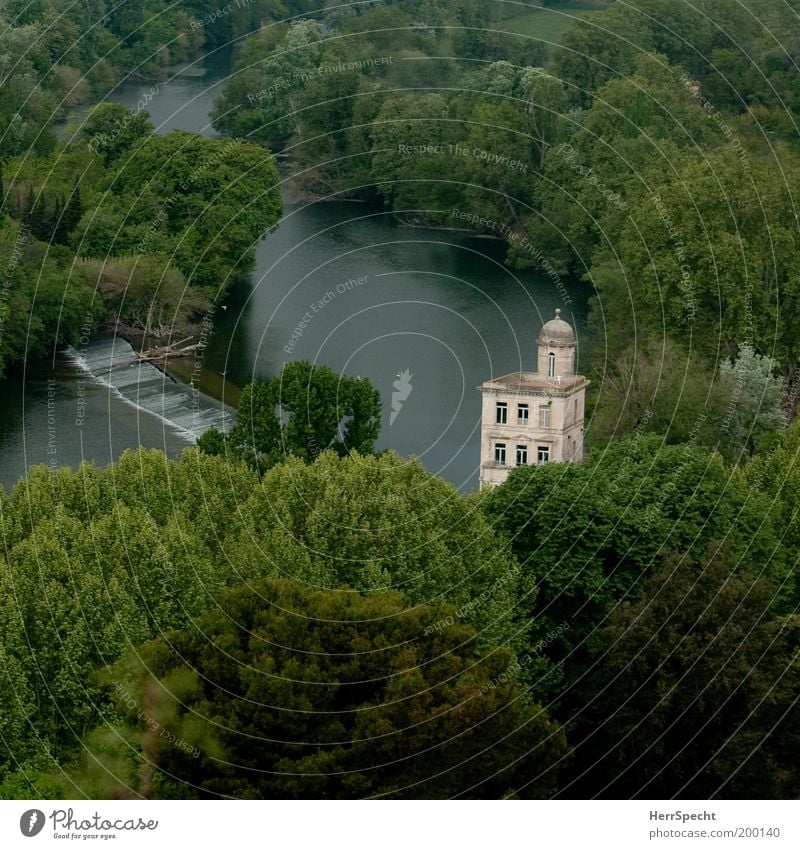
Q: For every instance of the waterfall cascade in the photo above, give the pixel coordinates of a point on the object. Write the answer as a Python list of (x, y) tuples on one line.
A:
[(113, 363)]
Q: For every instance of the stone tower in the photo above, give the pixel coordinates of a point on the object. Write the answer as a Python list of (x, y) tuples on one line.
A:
[(535, 417)]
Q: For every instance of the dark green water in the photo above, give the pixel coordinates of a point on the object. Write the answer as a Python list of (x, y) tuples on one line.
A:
[(343, 285), (338, 283)]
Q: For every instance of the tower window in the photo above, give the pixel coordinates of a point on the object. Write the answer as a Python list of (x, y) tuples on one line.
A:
[(501, 415), (522, 455), (500, 453), (551, 365), (544, 417), (522, 414), (543, 454)]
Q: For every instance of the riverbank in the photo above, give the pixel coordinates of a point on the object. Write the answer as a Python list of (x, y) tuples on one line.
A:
[(92, 404), (439, 303)]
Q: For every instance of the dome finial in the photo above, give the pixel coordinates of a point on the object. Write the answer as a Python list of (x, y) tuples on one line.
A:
[(557, 332)]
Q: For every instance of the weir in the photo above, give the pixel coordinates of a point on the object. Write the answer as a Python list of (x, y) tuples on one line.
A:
[(113, 363)]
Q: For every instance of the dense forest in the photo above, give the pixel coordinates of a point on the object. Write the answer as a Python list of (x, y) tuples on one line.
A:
[(283, 611), (113, 227), (569, 630)]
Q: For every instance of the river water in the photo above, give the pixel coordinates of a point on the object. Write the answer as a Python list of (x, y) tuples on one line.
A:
[(338, 283)]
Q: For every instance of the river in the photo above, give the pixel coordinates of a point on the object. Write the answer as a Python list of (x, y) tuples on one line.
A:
[(338, 283)]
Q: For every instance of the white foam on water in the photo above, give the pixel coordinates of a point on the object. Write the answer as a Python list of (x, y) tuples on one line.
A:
[(113, 363)]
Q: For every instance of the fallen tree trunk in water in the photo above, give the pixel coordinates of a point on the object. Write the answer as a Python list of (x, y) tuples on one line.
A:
[(162, 352)]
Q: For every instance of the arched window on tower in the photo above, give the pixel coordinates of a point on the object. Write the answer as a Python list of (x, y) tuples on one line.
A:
[(551, 365)]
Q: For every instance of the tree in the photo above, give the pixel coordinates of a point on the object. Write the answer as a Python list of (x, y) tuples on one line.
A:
[(336, 102), (49, 301), (203, 202), (25, 110), (261, 102), (756, 402), (656, 388), (503, 144), (306, 410), (416, 162), (375, 523), (710, 253), (72, 214), (290, 692), (56, 214), (94, 562), (215, 199), (212, 442), (592, 52), (694, 687), (113, 131), (36, 218), (634, 133), (547, 106), (147, 296), (775, 471), (590, 535)]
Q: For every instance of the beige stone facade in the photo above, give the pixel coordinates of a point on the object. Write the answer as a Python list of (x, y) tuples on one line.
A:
[(532, 418)]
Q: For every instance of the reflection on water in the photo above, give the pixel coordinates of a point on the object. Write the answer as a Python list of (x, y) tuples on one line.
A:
[(342, 284), (184, 100)]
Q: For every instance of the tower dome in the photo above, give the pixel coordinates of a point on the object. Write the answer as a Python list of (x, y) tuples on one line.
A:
[(557, 333)]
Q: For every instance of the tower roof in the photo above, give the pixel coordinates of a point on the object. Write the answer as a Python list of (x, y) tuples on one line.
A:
[(557, 332)]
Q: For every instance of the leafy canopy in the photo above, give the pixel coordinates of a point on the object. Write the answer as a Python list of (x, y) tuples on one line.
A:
[(306, 410), (290, 692)]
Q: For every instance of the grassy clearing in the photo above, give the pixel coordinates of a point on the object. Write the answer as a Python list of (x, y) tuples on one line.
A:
[(546, 24)]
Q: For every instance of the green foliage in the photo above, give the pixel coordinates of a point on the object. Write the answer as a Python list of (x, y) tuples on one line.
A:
[(409, 178), (610, 180), (756, 401), (775, 471), (47, 299), (308, 409), (596, 157), (96, 562), (738, 34), (145, 294), (377, 523), (639, 150), (291, 692), (546, 25), (593, 533), (711, 254), (54, 55), (634, 133), (694, 688), (656, 388), (222, 25), (212, 442), (497, 190), (170, 221), (261, 102), (319, 99), (204, 200), (111, 131)]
